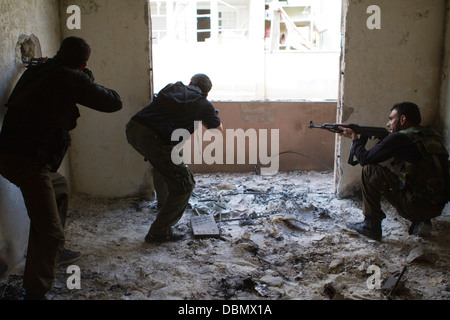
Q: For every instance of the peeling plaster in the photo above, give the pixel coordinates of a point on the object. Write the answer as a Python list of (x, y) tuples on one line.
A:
[(422, 14), (28, 47), (88, 7)]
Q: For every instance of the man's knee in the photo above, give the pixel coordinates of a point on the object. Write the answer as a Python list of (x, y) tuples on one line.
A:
[(377, 174), (186, 182), (186, 186), (370, 173), (370, 169)]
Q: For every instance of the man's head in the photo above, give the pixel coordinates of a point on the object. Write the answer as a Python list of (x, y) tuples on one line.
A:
[(403, 116), (74, 53), (203, 82)]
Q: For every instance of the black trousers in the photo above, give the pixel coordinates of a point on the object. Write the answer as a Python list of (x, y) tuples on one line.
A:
[(174, 183), (46, 197)]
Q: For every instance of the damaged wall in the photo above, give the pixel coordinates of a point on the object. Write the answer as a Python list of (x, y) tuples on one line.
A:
[(118, 33), (104, 163), (399, 62), (34, 24), (292, 120)]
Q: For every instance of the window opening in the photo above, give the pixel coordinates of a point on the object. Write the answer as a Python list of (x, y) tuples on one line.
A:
[(203, 25), (253, 50)]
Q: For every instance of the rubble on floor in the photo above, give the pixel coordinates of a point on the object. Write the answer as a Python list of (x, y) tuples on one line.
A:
[(280, 237)]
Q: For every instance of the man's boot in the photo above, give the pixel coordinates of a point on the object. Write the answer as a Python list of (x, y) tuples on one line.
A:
[(422, 228), (369, 228)]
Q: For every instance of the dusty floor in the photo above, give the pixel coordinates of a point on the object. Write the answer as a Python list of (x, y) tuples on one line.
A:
[(282, 237)]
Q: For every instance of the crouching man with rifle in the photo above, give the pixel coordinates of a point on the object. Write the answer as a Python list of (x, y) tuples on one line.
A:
[(416, 181)]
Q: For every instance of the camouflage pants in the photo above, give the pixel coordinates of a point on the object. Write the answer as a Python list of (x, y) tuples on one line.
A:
[(173, 183), (379, 181), (46, 197)]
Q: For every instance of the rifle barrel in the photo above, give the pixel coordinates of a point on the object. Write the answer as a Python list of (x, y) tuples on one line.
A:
[(377, 132)]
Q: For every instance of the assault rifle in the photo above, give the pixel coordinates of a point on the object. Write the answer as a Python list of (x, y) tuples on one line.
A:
[(364, 132)]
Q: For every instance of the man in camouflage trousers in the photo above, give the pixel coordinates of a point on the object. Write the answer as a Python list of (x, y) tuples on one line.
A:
[(150, 132), (416, 179)]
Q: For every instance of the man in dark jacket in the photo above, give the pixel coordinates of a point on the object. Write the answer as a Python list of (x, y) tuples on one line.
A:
[(415, 180), (34, 139), (150, 132)]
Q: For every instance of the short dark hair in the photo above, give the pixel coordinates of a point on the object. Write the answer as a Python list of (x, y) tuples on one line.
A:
[(410, 111), (74, 52), (203, 82)]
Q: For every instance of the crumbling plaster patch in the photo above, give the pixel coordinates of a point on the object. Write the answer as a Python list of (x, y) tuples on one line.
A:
[(28, 47)]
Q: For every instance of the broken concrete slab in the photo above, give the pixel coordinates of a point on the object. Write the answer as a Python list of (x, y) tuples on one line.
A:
[(204, 226), (331, 291), (272, 280), (335, 263), (421, 254)]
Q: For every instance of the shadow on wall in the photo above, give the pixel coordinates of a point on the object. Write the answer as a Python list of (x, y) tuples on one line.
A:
[(3, 263)]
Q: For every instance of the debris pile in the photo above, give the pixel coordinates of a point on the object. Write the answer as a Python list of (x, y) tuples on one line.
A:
[(252, 237)]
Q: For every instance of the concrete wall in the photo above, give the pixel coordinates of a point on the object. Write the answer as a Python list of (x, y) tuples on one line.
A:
[(402, 61), (17, 18), (102, 162), (118, 33), (308, 149), (399, 62)]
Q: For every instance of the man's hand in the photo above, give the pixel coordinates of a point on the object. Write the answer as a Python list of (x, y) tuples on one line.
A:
[(89, 73), (220, 128), (348, 133)]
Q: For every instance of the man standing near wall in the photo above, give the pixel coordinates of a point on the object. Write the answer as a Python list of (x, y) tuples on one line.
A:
[(33, 143), (150, 132), (416, 182)]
